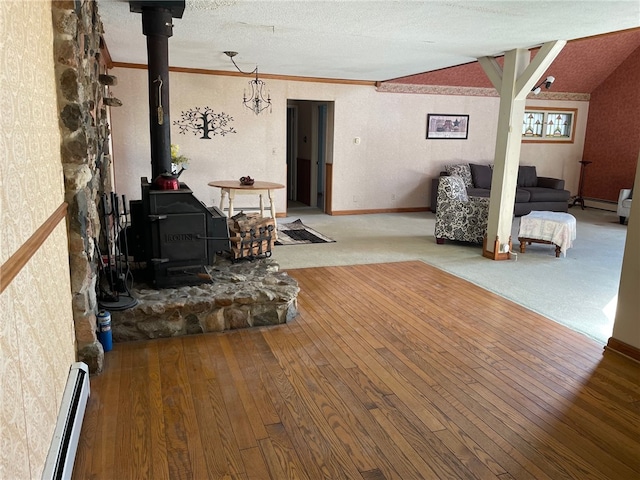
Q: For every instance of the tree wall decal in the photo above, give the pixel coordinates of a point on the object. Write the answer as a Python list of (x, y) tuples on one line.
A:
[(205, 121)]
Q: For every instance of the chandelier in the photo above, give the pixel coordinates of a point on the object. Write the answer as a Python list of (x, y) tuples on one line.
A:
[(256, 101)]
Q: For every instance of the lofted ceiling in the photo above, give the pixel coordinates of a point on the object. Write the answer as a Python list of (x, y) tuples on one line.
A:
[(581, 66), (362, 40)]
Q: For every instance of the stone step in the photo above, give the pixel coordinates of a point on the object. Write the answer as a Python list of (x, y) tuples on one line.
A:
[(240, 295)]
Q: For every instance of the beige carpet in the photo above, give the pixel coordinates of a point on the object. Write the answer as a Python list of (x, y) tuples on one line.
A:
[(578, 290)]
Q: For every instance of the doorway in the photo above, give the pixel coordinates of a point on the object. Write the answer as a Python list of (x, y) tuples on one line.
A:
[(309, 153)]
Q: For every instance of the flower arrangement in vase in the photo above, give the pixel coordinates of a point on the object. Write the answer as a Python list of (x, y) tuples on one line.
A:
[(178, 162)]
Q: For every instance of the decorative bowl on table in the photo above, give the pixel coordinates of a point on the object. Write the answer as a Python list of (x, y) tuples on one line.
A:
[(246, 180)]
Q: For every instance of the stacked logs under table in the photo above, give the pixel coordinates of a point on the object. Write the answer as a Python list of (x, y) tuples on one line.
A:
[(251, 235)]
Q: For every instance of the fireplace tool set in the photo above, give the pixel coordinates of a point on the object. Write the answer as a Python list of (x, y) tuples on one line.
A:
[(115, 276)]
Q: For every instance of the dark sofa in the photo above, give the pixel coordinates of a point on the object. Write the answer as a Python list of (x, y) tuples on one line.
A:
[(532, 192)]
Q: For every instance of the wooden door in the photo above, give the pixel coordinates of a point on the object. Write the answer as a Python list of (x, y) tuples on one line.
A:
[(303, 181)]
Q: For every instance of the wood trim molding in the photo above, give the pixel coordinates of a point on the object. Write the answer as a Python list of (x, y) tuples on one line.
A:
[(380, 210), (623, 348), (224, 73), (328, 188), (106, 55), (19, 259)]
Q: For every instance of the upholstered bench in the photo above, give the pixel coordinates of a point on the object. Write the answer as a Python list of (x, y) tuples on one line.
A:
[(554, 228)]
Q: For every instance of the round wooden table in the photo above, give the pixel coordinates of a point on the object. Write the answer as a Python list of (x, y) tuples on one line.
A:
[(231, 188)]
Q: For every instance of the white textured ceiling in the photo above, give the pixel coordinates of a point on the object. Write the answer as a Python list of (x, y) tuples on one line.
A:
[(359, 40)]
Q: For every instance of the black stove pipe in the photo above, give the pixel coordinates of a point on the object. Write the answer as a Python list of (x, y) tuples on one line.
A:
[(157, 25)]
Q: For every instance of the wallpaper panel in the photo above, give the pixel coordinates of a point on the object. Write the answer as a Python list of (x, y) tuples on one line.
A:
[(29, 133), (613, 132), (14, 454), (36, 326), (45, 337), (37, 347)]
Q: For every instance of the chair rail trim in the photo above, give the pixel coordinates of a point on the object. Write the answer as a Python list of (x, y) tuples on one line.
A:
[(19, 259)]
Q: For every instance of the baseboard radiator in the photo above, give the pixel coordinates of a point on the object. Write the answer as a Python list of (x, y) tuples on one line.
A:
[(62, 452)]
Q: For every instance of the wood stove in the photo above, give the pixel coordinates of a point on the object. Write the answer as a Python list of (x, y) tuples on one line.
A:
[(176, 235)]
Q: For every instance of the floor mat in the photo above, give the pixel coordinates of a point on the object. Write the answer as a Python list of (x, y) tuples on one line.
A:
[(297, 233)]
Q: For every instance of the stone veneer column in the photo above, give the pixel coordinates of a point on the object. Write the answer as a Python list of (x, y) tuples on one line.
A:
[(85, 156)]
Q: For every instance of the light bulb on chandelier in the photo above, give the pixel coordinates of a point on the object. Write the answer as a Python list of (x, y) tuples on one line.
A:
[(256, 101)]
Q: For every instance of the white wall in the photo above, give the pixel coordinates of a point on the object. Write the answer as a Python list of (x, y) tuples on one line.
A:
[(257, 149), (390, 168), (394, 157), (627, 324)]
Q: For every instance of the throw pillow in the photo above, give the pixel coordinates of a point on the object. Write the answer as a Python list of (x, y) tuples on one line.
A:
[(461, 170), (455, 188), (481, 175), (527, 177)]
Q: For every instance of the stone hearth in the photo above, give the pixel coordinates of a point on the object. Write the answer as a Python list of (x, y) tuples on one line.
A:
[(241, 295)]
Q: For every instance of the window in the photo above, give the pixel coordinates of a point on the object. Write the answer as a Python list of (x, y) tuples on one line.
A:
[(549, 125)]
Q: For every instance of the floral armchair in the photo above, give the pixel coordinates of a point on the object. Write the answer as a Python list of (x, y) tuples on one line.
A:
[(459, 217)]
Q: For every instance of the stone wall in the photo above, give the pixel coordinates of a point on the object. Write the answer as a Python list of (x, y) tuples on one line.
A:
[(85, 155)]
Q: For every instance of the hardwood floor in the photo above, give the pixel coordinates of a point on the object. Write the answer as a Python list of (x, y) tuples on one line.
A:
[(390, 371)]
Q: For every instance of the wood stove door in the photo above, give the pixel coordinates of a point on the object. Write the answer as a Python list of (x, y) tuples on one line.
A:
[(180, 237)]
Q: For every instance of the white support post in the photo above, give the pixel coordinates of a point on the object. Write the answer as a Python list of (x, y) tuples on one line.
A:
[(513, 82)]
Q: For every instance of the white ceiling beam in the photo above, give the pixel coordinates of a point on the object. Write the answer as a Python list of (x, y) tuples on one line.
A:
[(540, 63), (493, 70), (528, 79)]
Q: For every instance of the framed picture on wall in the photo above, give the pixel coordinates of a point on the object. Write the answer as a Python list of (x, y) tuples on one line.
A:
[(447, 126)]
